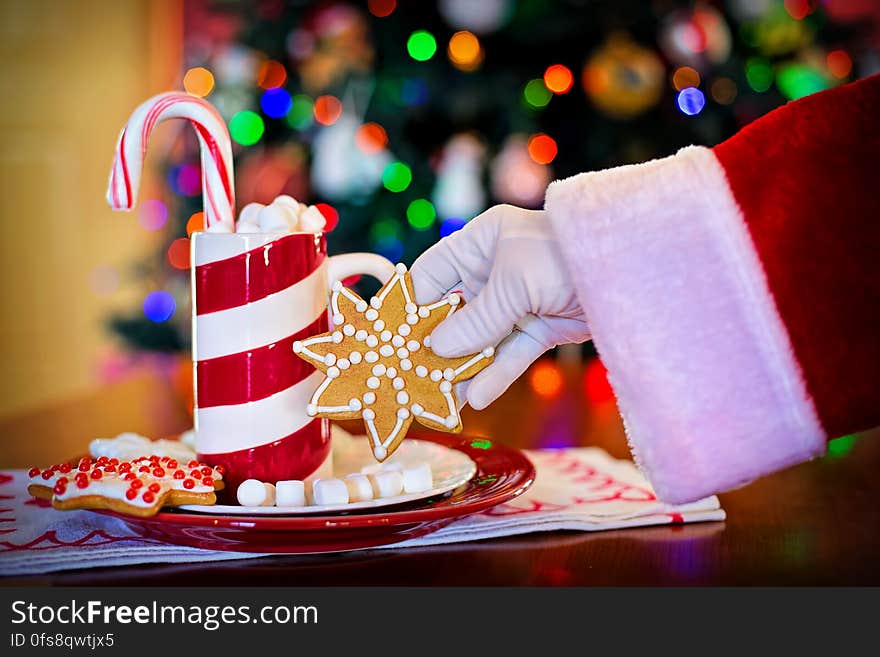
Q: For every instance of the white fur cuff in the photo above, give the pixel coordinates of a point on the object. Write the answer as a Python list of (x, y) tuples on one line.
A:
[(706, 380)]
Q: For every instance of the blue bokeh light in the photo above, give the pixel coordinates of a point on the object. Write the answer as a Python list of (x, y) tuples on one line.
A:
[(413, 91), (691, 101), (276, 103), (390, 247), (451, 225), (159, 306)]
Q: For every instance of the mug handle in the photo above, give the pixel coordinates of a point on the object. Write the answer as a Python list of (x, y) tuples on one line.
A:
[(340, 267)]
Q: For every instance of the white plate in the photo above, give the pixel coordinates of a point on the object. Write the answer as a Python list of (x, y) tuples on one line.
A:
[(449, 467)]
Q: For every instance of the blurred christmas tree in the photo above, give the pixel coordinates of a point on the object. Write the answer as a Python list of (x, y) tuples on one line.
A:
[(406, 119)]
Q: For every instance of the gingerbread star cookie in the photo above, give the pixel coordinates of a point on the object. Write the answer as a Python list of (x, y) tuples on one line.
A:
[(379, 365)]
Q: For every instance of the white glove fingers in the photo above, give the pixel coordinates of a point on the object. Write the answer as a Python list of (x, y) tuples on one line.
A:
[(464, 258), (483, 322), (512, 358), (435, 272)]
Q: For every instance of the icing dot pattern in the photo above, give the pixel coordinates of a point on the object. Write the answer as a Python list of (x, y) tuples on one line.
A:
[(398, 377)]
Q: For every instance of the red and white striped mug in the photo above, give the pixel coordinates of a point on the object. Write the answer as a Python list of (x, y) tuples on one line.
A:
[(253, 295)]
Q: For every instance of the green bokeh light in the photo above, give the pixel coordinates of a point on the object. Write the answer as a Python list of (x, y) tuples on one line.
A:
[(301, 113), (759, 74), (421, 214), (421, 45), (396, 176), (536, 93), (481, 444), (384, 229), (246, 128), (796, 81), (840, 446)]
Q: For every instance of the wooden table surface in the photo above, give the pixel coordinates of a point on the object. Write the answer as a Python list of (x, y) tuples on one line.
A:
[(817, 523)]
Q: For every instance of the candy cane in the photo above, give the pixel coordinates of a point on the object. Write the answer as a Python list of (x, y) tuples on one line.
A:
[(218, 191)]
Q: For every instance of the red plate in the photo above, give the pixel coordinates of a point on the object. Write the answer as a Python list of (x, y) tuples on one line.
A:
[(502, 474)]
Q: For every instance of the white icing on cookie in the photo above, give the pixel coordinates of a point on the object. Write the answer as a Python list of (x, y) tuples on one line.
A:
[(393, 354)]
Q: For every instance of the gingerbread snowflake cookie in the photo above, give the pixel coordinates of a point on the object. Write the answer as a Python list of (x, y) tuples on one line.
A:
[(380, 366)]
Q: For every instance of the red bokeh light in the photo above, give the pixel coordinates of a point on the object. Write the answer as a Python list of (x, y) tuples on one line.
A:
[(596, 385), (542, 148), (558, 79), (330, 214), (178, 253), (328, 109), (272, 75), (382, 8), (371, 138), (839, 63)]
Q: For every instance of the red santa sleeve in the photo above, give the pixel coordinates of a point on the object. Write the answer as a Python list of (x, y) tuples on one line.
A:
[(734, 293)]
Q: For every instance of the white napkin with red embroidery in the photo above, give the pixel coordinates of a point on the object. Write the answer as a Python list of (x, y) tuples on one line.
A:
[(581, 489)]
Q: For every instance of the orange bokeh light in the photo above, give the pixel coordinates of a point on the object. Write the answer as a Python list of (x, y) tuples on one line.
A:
[(839, 63), (371, 138), (178, 253), (328, 109), (465, 51), (272, 74), (545, 379), (195, 223), (558, 79), (596, 385), (542, 148), (382, 8), (198, 81), (685, 76)]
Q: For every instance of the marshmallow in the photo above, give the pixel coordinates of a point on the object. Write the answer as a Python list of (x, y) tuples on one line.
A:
[(270, 494), (417, 479), (247, 227), (291, 492), (329, 491), (373, 468), (277, 218), (288, 201), (253, 492), (248, 214), (387, 483), (359, 487), (311, 220)]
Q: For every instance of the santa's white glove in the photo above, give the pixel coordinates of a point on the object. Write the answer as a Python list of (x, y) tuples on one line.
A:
[(510, 269)]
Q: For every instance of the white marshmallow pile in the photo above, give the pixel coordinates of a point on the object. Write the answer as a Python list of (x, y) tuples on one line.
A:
[(372, 482), (283, 215)]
